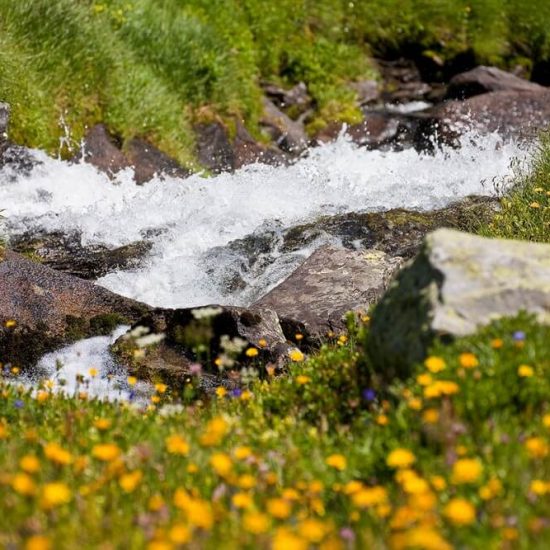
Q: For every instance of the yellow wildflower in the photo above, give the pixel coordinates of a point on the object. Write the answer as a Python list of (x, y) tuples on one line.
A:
[(242, 500), (525, 371), (103, 423), (438, 483), (130, 481), (106, 452), (92, 372), (466, 470), (296, 355), (29, 464), (177, 445), (430, 416), (38, 542), (216, 429), (312, 530), (424, 379), (460, 512), (337, 461), (256, 523), (55, 494), (415, 403), (546, 420), (10, 323), (180, 534), (382, 420), (156, 503), (262, 342), (242, 453), (468, 360), (285, 539), (400, 458), (161, 388), (539, 487), (302, 379), (251, 352), (279, 508), (23, 484), (535, 204), (246, 481), (370, 496), (497, 343), (221, 463), (57, 454), (536, 447), (434, 364)]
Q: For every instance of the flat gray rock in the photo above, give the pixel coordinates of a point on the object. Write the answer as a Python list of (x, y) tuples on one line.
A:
[(331, 282), (456, 284)]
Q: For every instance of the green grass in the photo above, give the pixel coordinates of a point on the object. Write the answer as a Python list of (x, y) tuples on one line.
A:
[(220, 482), (150, 68), (525, 208)]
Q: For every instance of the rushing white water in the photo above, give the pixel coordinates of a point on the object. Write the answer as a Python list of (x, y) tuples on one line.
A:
[(186, 219)]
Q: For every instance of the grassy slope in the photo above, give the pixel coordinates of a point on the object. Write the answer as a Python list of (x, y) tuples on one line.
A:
[(148, 67), (221, 481)]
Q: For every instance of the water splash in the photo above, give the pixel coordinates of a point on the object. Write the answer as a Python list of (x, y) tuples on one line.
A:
[(186, 219)]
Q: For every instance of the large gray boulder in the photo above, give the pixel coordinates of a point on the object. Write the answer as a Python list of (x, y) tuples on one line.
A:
[(332, 281), (457, 283), (484, 79)]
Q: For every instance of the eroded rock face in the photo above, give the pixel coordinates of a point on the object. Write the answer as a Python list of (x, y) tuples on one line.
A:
[(65, 252), (185, 331), (52, 308), (331, 282), (483, 79), (456, 284)]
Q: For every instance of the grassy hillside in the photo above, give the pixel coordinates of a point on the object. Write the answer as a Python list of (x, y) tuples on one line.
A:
[(150, 67)]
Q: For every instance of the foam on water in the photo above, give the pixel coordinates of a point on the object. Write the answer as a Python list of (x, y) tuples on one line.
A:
[(187, 218), (88, 366)]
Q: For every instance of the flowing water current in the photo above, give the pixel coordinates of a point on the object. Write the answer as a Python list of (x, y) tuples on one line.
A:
[(190, 222)]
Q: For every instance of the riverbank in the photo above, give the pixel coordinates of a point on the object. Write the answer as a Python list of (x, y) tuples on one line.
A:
[(156, 72)]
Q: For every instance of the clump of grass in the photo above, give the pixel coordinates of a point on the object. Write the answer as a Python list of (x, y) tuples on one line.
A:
[(525, 208), (456, 455)]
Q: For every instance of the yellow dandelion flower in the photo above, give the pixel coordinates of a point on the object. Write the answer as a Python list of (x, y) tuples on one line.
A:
[(55, 453), (424, 379), (215, 431), (103, 424), (285, 539), (55, 494), (415, 403), (246, 481), (256, 523), (161, 388), (539, 487), (221, 391), (10, 323), (242, 453), (262, 342), (438, 483), (369, 496), (536, 447), (132, 380), (430, 416), (382, 420), (525, 371), (546, 420), (38, 542), (107, 452), (337, 461), (497, 343), (434, 364), (466, 470), (242, 500), (302, 380), (296, 355), (468, 360), (460, 512), (298, 337), (177, 445), (92, 372), (400, 458), (221, 463), (23, 484), (252, 352), (180, 534), (128, 482), (312, 530), (535, 204), (279, 508), (156, 503), (29, 464)]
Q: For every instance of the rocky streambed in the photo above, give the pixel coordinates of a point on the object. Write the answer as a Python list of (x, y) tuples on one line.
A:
[(278, 248)]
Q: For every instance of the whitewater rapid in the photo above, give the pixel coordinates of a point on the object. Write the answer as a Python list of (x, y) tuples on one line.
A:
[(186, 219)]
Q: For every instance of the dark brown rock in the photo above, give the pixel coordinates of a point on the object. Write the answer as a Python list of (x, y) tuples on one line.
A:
[(487, 79), (288, 134), (331, 282), (511, 114), (214, 149), (102, 151), (52, 308), (149, 162), (65, 252), (294, 101), (247, 150), (186, 331)]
